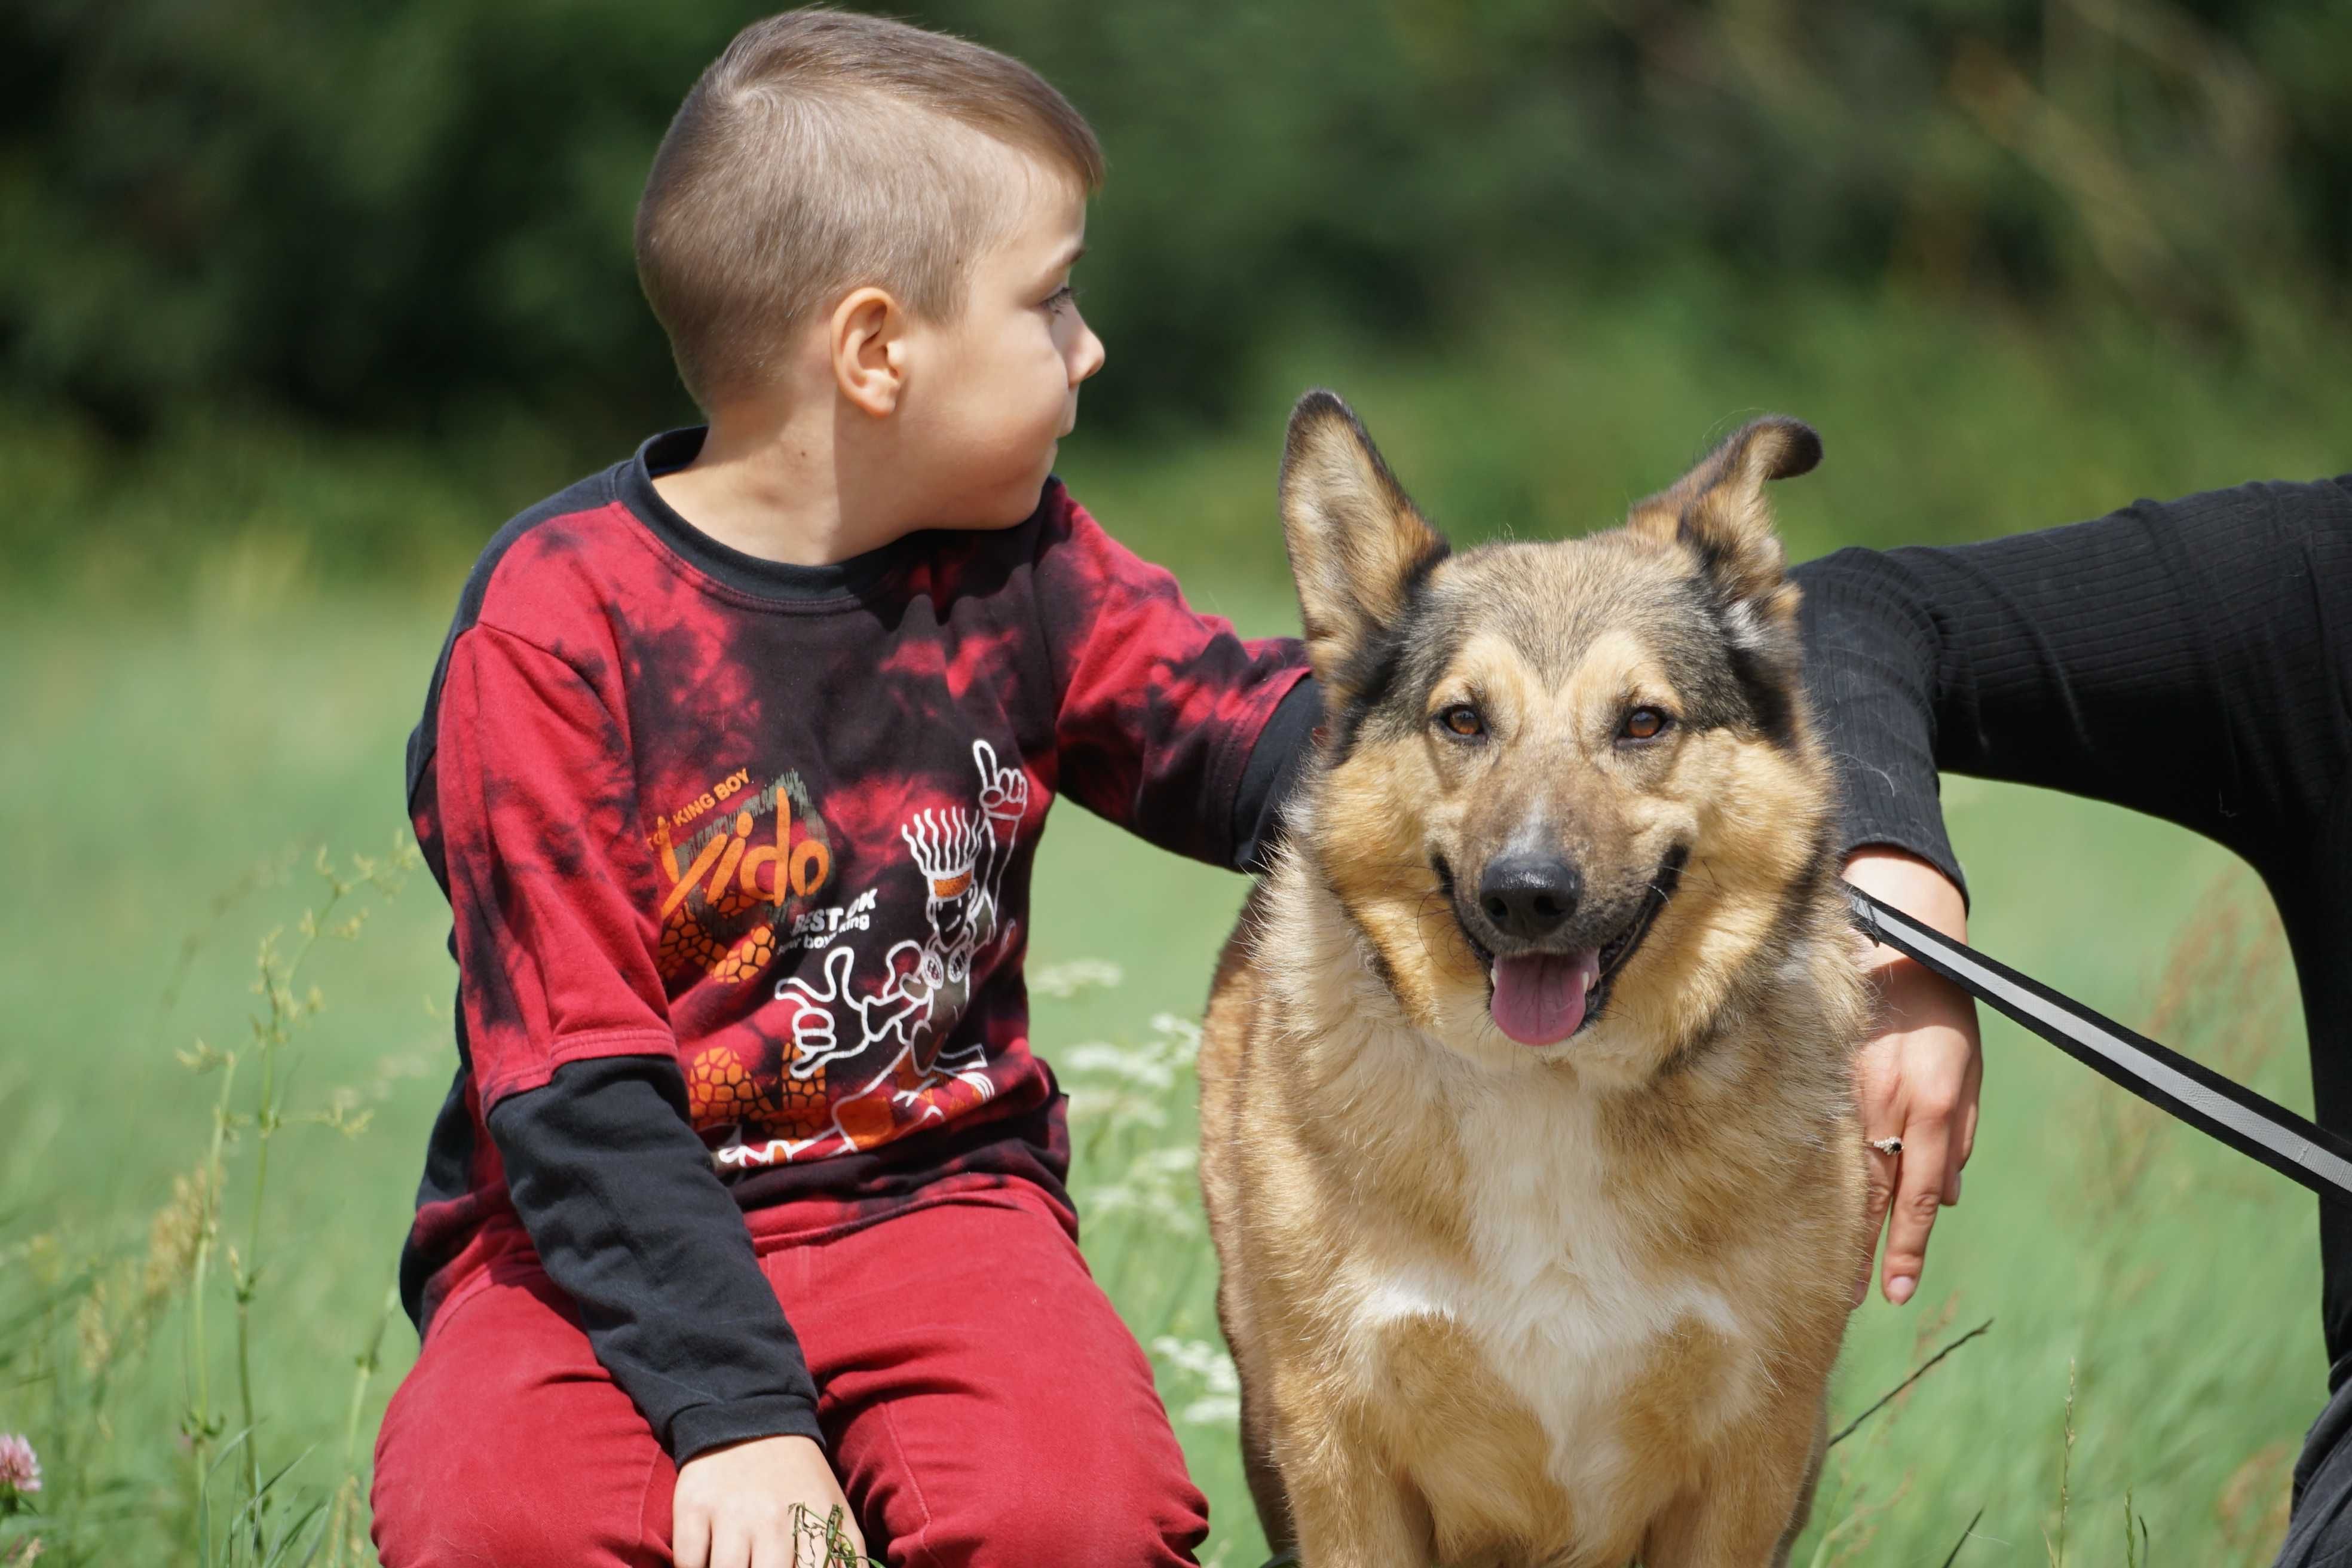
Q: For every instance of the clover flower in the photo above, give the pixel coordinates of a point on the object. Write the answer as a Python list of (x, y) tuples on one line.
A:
[(20, 1467)]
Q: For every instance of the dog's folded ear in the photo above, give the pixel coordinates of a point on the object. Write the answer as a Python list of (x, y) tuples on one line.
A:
[(1358, 548), (1718, 512)]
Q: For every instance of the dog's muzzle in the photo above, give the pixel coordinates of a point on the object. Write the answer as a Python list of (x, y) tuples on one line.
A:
[(1543, 986)]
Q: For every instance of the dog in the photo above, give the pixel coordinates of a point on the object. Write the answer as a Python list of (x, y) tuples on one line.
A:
[(1528, 1131)]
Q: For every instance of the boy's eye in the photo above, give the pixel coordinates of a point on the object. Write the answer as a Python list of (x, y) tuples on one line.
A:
[(1061, 297)]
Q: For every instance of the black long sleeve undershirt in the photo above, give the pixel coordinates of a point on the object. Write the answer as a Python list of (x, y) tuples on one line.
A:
[(618, 1196), (1276, 765), (620, 1202), (2191, 659)]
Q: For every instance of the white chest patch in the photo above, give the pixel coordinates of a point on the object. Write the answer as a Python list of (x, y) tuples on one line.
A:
[(1566, 1302)]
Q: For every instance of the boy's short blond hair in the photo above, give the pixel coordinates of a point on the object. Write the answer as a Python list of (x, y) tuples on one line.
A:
[(825, 150)]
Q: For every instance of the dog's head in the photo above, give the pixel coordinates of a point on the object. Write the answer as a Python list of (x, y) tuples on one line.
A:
[(1567, 793)]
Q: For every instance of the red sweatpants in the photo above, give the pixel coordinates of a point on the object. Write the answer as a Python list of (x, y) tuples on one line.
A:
[(980, 1400)]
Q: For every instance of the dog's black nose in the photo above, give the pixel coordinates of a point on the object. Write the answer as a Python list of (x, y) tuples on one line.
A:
[(1529, 896)]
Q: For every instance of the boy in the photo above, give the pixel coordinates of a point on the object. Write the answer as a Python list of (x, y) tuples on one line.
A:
[(748, 1192)]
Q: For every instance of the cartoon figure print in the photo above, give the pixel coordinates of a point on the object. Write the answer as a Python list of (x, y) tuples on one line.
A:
[(962, 855)]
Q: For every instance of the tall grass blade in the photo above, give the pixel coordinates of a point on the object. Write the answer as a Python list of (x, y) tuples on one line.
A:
[(1963, 1540), (1888, 1397)]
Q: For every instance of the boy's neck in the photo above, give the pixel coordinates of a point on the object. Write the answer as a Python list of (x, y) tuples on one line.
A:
[(774, 487)]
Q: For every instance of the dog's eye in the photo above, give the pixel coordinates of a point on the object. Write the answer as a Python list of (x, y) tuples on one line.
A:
[(1461, 720), (1643, 725)]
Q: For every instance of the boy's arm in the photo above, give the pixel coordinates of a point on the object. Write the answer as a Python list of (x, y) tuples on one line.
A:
[(569, 1040), (1277, 765), (618, 1195), (1158, 708)]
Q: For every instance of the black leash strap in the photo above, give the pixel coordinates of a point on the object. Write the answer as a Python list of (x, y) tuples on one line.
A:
[(2198, 1095)]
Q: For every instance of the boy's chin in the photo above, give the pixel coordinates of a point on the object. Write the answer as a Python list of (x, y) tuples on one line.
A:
[(1007, 508)]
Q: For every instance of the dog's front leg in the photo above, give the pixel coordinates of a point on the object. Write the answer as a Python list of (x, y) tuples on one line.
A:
[(1750, 1511), (1352, 1511)]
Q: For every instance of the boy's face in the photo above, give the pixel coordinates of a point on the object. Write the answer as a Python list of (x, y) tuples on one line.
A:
[(996, 391)]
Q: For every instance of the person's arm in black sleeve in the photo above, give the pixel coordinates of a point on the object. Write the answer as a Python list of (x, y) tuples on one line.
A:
[(1871, 661), (2174, 657), (618, 1196)]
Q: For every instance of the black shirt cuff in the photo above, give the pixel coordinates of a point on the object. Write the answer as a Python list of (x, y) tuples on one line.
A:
[(699, 1428)]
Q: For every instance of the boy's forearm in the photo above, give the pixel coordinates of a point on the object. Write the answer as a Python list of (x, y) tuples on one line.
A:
[(1277, 763), (618, 1196)]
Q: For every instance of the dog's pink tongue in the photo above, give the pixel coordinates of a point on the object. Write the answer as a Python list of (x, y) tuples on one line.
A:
[(1540, 998)]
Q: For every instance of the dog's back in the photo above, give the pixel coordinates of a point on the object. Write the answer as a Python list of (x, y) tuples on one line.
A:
[(1526, 1118)]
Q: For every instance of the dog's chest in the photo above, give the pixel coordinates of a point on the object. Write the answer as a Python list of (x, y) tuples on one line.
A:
[(1575, 1313)]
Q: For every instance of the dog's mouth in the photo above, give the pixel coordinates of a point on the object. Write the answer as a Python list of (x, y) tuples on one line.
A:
[(1540, 998)]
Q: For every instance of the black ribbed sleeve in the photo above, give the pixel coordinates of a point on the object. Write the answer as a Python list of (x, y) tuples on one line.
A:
[(2180, 658), (627, 1216)]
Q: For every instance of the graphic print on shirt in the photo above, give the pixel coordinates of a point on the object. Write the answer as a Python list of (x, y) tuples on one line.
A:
[(738, 892), (882, 1028)]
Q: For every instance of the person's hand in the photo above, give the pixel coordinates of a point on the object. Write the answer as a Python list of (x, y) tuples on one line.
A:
[(1916, 1075), (733, 1507)]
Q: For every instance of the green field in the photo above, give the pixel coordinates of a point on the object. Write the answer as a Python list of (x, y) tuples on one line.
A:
[(220, 686), (169, 773)]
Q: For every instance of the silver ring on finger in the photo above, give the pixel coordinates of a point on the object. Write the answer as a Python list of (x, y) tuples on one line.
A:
[(1887, 1145)]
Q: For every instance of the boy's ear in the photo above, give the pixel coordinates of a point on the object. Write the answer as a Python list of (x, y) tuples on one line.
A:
[(1358, 546), (1718, 512), (868, 350)]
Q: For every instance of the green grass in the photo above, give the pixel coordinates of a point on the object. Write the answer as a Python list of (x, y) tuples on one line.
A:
[(160, 761)]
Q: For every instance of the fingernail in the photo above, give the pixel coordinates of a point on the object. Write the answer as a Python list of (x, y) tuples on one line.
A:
[(1956, 1189), (1899, 1288)]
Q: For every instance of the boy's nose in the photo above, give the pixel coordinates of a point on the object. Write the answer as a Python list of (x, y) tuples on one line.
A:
[(1088, 357)]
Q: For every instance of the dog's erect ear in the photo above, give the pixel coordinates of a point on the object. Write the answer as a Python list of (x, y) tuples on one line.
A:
[(1357, 547), (1719, 510)]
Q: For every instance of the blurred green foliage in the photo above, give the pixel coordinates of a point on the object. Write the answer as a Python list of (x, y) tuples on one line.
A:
[(412, 216)]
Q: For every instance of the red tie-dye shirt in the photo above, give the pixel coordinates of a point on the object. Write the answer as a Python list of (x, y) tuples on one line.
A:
[(780, 821)]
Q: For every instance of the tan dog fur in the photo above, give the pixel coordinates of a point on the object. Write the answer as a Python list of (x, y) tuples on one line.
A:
[(1575, 1304)]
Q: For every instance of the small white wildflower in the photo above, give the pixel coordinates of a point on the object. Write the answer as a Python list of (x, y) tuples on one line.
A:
[(1154, 1203), (1063, 981), (1119, 1109), (1100, 1201), (1213, 1410), (1142, 1066), (1219, 1403), (1202, 1360), (1182, 1035), (1180, 1159)]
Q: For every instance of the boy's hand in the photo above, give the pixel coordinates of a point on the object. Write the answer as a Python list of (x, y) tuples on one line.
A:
[(1917, 1074), (733, 1507)]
